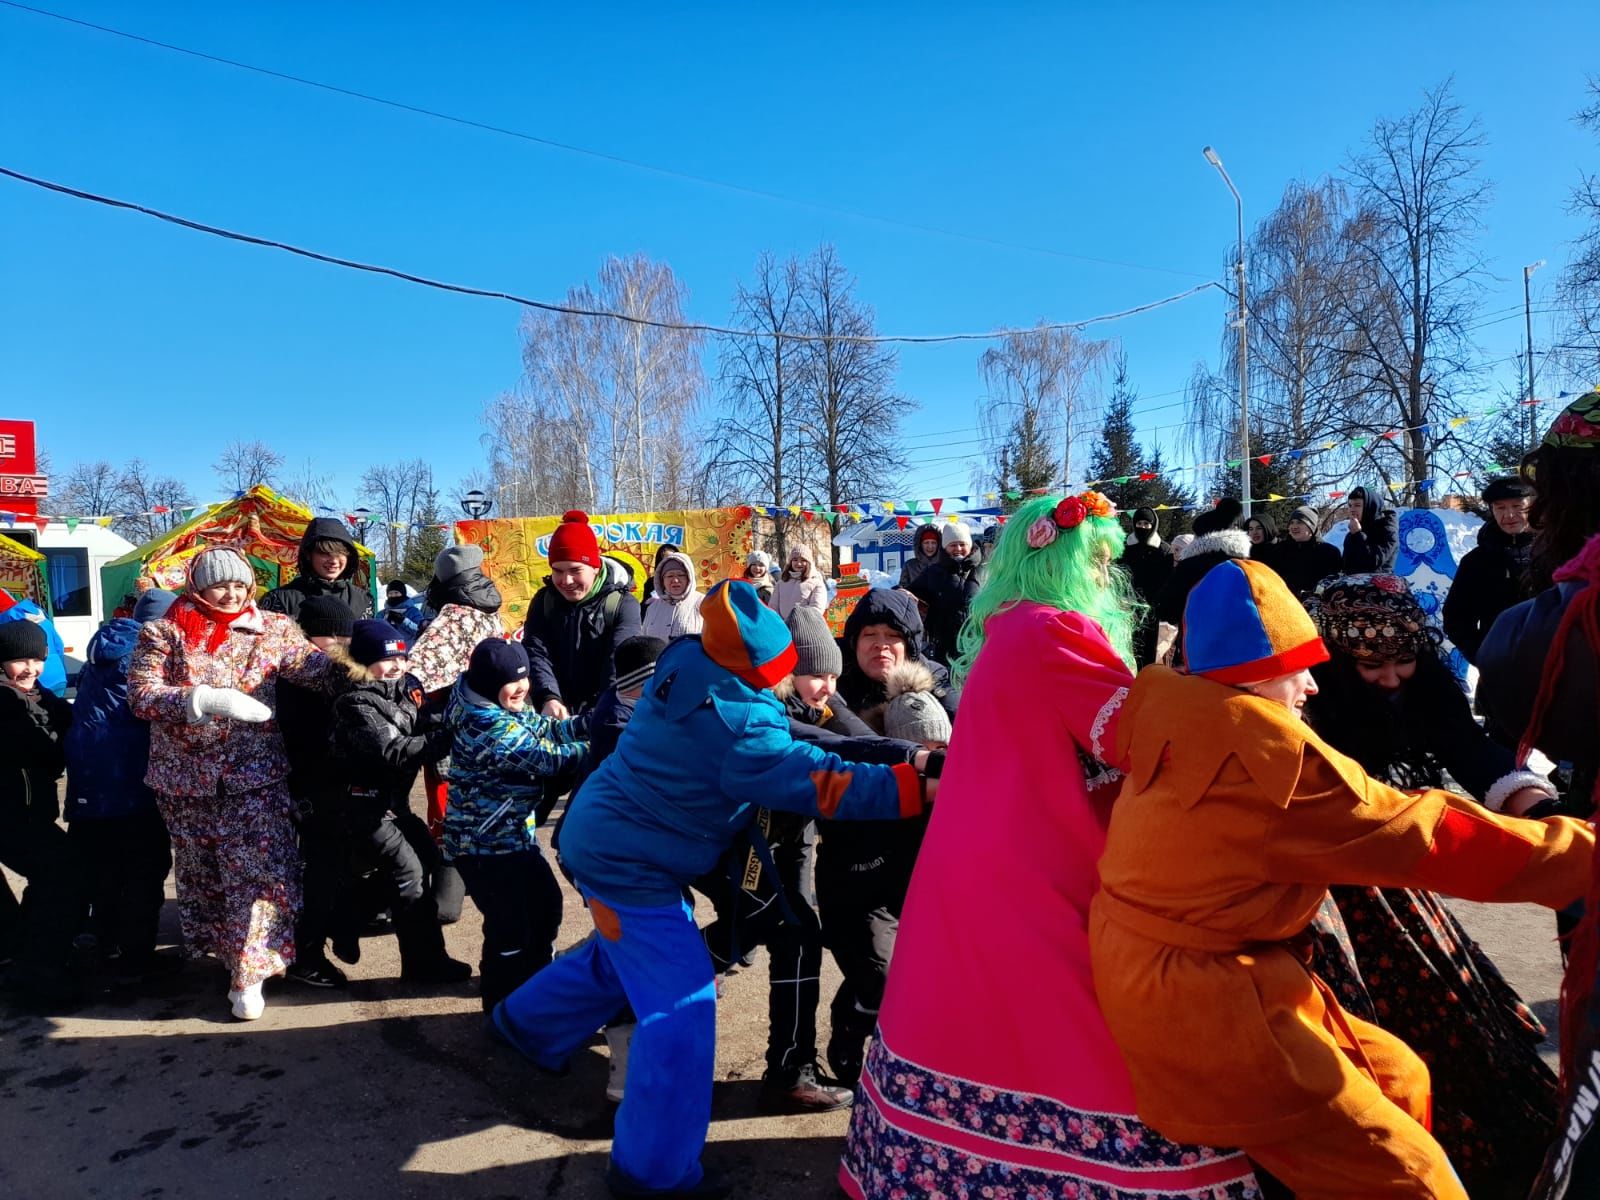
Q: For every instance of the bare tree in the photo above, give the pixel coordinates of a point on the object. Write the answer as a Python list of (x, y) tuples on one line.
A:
[(90, 490), (396, 493), (755, 448), (1580, 282), (1040, 387), (308, 486), (242, 465), (849, 414), (145, 494), (1414, 278)]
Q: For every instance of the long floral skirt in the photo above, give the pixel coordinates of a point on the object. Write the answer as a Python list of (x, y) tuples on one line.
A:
[(238, 871), (1402, 960)]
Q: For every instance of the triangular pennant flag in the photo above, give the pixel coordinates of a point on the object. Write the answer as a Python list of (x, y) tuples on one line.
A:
[(104, 522), (1423, 429), (1424, 484), (839, 508), (833, 518), (1119, 480), (888, 508), (794, 510), (1295, 455), (902, 522), (1233, 463), (1013, 495), (1162, 507), (1489, 412), (43, 523), (990, 497), (1458, 422), (1358, 442), (161, 508), (1395, 487), (72, 523), (1271, 496), (185, 513), (938, 503), (809, 515), (1265, 460), (1390, 435), (1146, 476), (1003, 518), (1335, 495)]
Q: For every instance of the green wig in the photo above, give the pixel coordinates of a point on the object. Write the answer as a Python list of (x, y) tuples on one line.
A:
[(1066, 574)]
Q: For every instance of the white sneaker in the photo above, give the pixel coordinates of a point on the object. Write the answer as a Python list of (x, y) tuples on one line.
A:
[(249, 1004), (618, 1039)]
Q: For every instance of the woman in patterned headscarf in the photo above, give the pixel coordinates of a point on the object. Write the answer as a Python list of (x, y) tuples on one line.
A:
[(1400, 958)]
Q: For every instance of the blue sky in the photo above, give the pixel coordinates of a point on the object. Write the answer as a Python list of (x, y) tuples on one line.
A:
[(1073, 127)]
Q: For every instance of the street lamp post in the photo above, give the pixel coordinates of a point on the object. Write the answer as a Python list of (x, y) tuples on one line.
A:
[(1527, 316), (360, 521), (476, 505), (1244, 352)]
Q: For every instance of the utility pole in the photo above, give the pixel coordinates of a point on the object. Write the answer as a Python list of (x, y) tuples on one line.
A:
[(1244, 352), (1527, 316)]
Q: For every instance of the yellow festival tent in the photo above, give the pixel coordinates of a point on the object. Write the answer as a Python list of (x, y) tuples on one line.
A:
[(717, 540), (22, 573), (265, 525)]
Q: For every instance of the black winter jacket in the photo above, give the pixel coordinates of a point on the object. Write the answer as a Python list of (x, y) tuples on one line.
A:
[(571, 647), (1373, 547), (382, 735), (288, 598), (1199, 556), (1149, 566), (33, 729), (305, 718), (1511, 662), (1303, 565), (1488, 581), (947, 588), (919, 562)]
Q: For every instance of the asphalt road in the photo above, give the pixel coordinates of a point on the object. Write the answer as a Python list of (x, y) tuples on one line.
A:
[(388, 1091)]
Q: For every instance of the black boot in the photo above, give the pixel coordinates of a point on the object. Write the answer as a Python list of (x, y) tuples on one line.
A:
[(422, 954), (449, 894)]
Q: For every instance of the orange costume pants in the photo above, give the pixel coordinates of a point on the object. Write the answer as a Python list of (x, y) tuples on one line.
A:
[(1384, 1150)]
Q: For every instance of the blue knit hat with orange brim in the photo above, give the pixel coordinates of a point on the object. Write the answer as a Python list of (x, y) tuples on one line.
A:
[(1243, 625), (744, 636)]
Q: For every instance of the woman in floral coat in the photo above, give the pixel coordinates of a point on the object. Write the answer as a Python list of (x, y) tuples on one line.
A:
[(205, 677), (993, 1072)]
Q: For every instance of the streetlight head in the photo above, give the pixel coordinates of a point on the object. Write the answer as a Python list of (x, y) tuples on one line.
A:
[(1532, 267), (1211, 157)]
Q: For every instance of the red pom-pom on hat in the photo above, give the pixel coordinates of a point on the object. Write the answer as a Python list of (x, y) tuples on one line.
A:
[(573, 541)]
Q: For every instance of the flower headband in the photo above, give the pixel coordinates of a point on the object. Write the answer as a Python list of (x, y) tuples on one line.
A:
[(1069, 514)]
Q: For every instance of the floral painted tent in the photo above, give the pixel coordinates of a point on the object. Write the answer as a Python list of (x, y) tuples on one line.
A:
[(265, 525), (22, 573)]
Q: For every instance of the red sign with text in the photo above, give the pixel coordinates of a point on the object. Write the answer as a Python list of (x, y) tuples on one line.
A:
[(21, 487)]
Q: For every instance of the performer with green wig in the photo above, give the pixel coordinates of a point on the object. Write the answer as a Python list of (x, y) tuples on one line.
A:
[(992, 1064)]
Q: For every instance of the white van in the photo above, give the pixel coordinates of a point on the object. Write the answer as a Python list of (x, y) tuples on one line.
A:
[(73, 558)]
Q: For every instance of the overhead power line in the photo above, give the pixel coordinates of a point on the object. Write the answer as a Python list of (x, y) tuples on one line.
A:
[(573, 310), (590, 152)]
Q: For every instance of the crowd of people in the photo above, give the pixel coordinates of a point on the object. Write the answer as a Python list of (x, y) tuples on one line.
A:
[(1216, 786)]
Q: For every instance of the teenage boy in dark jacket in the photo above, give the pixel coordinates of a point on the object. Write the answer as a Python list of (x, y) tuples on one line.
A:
[(381, 738), (327, 567), (33, 726), (1303, 559), (575, 623), (113, 820), (1373, 534), (1490, 577)]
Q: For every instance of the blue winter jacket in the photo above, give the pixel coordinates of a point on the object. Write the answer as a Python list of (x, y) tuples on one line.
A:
[(108, 748), (498, 763), (701, 753)]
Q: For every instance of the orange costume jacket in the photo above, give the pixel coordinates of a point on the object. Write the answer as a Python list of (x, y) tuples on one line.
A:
[(1233, 820)]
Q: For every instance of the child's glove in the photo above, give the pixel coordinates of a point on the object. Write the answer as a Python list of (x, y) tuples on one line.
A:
[(207, 702)]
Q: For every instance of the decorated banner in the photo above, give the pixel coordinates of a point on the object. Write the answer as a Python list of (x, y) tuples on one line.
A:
[(22, 573), (268, 528), (716, 540)]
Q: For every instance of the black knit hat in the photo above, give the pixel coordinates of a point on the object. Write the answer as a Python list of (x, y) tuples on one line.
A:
[(1223, 516), (21, 638), (325, 616), (373, 641), (495, 663), (636, 661), (1507, 487)]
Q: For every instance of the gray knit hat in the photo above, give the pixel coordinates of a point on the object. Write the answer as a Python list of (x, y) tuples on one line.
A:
[(914, 713), (453, 560), (220, 564), (817, 653)]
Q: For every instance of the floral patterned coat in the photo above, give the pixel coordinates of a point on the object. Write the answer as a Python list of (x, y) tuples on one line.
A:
[(192, 760), (441, 653)]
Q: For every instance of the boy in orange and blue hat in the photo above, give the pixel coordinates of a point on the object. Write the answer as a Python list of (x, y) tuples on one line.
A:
[(1233, 820), (707, 746)]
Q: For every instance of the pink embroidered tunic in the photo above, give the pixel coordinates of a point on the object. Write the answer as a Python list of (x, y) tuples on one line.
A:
[(993, 1073)]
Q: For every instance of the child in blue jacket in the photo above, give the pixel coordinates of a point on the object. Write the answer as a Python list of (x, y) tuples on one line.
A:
[(121, 838), (501, 753), (707, 746)]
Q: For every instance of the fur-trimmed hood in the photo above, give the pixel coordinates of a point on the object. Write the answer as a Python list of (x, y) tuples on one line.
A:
[(1235, 543)]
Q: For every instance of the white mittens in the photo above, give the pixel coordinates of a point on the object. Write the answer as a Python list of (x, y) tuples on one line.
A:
[(207, 702)]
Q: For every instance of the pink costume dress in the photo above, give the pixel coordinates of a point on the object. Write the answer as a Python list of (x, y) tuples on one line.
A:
[(992, 1073)]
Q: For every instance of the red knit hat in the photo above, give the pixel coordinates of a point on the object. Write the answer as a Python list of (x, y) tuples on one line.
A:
[(574, 541)]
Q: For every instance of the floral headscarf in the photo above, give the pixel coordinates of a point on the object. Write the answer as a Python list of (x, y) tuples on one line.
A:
[(1371, 617), (1578, 426)]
